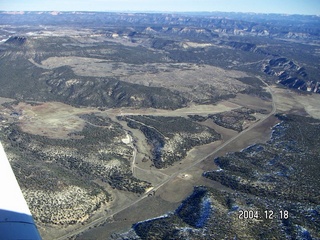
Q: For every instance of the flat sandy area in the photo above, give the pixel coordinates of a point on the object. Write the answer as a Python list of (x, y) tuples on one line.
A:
[(51, 119), (290, 101)]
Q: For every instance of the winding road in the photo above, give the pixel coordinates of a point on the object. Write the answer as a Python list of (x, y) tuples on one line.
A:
[(174, 175)]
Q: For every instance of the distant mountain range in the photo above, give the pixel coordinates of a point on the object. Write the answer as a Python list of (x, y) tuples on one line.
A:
[(272, 25), (257, 33)]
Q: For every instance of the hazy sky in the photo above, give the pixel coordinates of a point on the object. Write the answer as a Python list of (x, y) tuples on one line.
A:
[(260, 6)]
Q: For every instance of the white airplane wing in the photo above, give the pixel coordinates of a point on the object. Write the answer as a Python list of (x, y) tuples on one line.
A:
[(16, 221)]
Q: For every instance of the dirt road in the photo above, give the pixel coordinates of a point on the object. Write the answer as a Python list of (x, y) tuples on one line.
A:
[(175, 174)]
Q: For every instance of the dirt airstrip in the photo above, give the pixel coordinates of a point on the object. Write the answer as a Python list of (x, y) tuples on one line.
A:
[(58, 120)]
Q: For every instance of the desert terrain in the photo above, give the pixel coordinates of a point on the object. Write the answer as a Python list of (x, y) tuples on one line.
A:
[(158, 125)]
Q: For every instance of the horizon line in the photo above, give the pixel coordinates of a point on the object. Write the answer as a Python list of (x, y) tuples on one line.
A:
[(155, 11)]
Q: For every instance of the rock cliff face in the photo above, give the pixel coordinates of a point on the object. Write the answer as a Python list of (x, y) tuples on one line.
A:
[(16, 40), (291, 75)]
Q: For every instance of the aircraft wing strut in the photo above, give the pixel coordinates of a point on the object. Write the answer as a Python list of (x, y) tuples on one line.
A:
[(16, 221)]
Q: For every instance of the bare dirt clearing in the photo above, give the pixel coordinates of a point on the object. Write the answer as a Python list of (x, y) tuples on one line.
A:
[(251, 102), (182, 77), (179, 187), (197, 45), (4, 100), (288, 100), (52, 119)]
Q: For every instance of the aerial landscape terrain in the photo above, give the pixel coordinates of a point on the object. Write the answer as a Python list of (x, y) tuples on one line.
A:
[(163, 125)]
